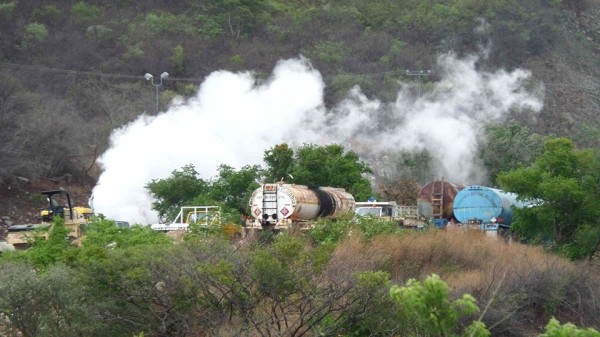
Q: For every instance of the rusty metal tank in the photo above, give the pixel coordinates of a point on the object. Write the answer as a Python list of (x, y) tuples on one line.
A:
[(281, 204), (436, 199)]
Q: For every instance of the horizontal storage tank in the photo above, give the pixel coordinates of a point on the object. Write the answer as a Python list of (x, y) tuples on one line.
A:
[(486, 206), (436, 199), (281, 204)]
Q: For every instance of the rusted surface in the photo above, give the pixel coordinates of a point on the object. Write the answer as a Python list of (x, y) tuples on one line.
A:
[(281, 203), (448, 193)]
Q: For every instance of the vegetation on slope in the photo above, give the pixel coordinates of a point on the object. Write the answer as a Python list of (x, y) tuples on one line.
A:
[(73, 71), (126, 282)]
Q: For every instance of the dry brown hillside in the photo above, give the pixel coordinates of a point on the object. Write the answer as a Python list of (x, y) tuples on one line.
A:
[(21, 201)]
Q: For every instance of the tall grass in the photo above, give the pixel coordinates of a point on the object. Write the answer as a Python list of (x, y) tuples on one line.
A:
[(518, 287)]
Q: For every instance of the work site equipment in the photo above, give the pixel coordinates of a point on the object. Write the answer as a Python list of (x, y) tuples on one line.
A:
[(59, 205), (203, 216), (280, 205)]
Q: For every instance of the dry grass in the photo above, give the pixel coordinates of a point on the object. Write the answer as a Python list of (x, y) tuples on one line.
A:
[(522, 286)]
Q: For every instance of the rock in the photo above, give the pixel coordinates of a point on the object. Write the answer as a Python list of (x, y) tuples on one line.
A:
[(5, 247)]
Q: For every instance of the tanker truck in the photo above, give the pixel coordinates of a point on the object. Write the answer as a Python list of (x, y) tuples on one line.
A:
[(485, 208), (281, 205), (435, 200)]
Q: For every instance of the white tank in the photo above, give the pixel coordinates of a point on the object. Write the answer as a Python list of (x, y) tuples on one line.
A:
[(280, 204)]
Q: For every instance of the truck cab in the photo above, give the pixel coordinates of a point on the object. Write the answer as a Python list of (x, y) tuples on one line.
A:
[(378, 209)]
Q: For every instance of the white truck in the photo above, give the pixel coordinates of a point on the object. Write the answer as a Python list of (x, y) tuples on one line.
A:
[(406, 216)]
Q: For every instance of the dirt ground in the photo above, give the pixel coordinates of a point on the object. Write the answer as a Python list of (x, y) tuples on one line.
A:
[(21, 200)]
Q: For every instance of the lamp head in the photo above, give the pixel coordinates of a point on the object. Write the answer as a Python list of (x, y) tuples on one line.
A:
[(148, 76), (164, 75)]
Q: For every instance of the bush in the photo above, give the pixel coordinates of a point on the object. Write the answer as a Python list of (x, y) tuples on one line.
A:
[(85, 13), (35, 33)]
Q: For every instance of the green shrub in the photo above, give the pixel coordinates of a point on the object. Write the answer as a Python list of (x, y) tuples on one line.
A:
[(329, 231), (178, 57), (330, 52), (34, 34), (134, 51), (7, 9), (85, 13), (371, 226), (164, 22), (49, 13), (554, 329), (429, 302), (98, 32)]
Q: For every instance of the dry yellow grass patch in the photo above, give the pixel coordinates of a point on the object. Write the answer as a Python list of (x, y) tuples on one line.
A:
[(522, 284)]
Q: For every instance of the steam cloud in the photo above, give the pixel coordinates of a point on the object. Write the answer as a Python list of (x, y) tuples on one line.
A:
[(233, 119)]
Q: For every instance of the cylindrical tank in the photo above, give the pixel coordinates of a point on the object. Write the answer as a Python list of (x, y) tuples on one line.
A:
[(485, 205), (436, 199), (271, 204)]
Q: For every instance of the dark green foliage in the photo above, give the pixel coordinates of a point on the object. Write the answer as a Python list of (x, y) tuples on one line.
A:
[(280, 162), (314, 165), (35, 34), (86, 14), (139, 285), (231, 190), (564, 184), (178, 190), (135, 285), (102, 233), (234, 187), (48, 246), (509, 147), (328, 231), (331, 166), (370, 226)]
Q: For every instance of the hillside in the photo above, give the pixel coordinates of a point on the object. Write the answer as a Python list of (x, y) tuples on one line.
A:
[(73, 72)]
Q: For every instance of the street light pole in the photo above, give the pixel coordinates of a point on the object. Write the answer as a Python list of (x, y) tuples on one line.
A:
[(418, 74), (150, 78)]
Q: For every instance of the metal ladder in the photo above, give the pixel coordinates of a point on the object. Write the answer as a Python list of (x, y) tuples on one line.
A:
[(270, 201), (437, 199)]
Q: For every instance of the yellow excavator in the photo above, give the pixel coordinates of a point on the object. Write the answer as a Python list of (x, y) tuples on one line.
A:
[(59, 205)]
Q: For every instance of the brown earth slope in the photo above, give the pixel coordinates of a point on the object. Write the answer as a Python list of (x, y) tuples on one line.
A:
[(21, 199)]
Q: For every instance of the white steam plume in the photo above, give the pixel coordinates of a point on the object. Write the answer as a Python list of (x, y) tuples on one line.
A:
[(233, 120)]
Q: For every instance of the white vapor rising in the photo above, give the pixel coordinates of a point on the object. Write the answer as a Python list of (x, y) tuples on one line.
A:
[(233, 120)]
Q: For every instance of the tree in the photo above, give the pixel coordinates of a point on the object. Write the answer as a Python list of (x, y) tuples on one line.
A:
[(48, 246), (432, 309), (509, 147), (234, 187), (142, 288), (399, 176), (178, 190), (101, 233), (48, 303), (280, 162), (564, 184), (314, 165)]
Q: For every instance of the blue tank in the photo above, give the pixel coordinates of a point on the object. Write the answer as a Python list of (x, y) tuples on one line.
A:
[(486, 206)]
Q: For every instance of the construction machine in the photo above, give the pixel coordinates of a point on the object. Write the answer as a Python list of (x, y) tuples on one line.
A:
[(58, 205)]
